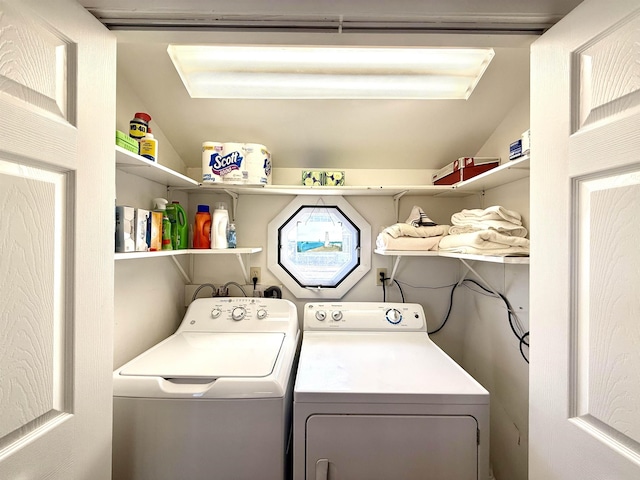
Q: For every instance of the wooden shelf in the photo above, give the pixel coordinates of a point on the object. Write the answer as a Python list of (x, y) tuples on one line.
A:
[(135, 164), (191, 251), (140, 166), (501, 175), (238, 252), (517, 260)]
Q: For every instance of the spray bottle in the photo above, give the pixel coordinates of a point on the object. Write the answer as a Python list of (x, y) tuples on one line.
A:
[(160, 205)]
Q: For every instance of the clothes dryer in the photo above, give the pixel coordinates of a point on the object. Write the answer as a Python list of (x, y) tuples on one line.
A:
[(375, 398), (214, 399)]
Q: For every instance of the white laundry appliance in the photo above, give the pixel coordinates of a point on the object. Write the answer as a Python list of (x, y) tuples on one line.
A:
[(375, 398), (212, 401)]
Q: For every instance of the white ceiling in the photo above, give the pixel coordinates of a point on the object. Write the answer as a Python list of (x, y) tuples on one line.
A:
[(337, 133)]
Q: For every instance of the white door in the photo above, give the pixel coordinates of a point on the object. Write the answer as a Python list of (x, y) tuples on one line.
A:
[(585, 268), (57, 120)]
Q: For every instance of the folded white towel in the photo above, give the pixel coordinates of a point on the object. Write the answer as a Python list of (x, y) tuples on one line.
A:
[(495, 212), (405, 230), (418, 218), (500, 226), (485, 242), (387, 242)]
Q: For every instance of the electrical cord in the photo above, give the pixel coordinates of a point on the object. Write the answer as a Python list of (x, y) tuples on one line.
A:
[(522, 338), (383, 280)]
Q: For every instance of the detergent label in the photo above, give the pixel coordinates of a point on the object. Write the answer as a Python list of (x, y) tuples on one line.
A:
[(267, 166), (221, 165)]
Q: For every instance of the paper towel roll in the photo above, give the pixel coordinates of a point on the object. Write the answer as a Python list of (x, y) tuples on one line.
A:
[(232, 166), (257, 164), (210, 152)]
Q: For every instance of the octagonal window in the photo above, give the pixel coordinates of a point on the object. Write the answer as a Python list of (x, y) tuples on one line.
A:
[(315, 247)]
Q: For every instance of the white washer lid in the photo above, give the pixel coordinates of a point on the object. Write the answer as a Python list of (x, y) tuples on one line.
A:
[(381, 367), (209, 355)]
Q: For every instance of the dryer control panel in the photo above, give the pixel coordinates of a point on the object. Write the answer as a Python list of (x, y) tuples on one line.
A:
[(365, 316), (240, 314)]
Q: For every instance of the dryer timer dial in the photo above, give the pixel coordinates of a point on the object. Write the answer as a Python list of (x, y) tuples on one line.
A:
[(393, 316)]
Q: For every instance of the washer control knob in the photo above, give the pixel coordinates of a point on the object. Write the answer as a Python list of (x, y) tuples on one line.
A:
[(261, 314), (336, 315), (393, 316), (321, 315), (216, 312), (238, 313)]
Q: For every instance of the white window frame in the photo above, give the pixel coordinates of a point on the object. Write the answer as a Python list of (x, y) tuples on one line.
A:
[(285, 277)]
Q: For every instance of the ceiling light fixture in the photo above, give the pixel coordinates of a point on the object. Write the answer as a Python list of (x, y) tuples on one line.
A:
[(299, 72)]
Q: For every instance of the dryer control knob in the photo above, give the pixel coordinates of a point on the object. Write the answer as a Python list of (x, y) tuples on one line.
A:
[(216, 312), (336, 315), (321, 315), (262, 313), (238, 313), (393, 316)]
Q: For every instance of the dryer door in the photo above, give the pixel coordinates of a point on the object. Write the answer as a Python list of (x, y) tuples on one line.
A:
[(377, 447)]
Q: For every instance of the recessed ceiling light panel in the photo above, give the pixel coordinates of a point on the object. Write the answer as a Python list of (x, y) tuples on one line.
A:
[(286, 72)]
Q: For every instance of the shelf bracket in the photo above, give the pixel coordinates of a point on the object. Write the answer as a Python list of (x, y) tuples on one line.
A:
[(234, 202), (181, 270), (244, 268), (396, 204), (469, 268), (396, 262)]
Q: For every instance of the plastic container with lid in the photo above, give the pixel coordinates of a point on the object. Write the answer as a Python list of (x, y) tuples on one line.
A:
[(139, 125), (231, 236), (202, 228)]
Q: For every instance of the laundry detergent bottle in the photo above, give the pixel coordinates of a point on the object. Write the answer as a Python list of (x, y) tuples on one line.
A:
[(179, 229), (202, 228), (219, 226), (160, 205)]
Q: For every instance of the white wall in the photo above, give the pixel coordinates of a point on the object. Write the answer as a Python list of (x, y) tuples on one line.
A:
[(150, 293), (490, 350)]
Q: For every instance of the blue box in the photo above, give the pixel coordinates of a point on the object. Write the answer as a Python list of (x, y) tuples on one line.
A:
[(515, 149)]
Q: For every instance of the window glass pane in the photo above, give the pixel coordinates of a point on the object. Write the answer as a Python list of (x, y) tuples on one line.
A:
[(318, 246)]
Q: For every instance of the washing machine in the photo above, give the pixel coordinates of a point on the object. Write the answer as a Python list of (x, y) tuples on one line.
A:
[(375, 398), (212, 401)]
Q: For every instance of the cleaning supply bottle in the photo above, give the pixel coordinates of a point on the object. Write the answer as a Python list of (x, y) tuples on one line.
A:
[(139, 125), (149, 146), (202, 229), (160, 205), (219, 226), (179, 226), (231, 236)]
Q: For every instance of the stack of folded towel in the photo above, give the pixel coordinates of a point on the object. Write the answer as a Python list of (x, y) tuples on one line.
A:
[(418, 232), (492, 231)]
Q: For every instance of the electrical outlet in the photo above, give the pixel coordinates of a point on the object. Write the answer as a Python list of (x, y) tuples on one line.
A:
[(254, 272), (380, 271)]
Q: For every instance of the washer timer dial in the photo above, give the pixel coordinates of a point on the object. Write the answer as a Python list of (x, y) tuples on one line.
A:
[(393, 316), (238, 313)]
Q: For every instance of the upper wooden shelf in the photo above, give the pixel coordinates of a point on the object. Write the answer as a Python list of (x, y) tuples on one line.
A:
[(135, 164), (140, 166)]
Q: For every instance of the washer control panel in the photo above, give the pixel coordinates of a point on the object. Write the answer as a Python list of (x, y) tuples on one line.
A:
[(369, 316), (239, 314)]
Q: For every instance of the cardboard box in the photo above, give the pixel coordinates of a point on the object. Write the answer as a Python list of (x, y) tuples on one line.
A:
[(447, 174), (142, 225), (154, 232), (465, 168), (125, 229), (312, 178), (333, 178)]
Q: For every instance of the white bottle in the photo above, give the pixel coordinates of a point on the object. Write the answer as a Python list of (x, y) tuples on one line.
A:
[(149, 146), (219, 226)]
